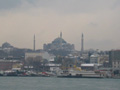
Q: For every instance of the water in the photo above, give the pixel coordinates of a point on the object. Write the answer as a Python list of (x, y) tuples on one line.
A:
[(51, 83)]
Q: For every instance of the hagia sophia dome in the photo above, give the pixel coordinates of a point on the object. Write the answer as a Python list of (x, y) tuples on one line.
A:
[(58, 40)]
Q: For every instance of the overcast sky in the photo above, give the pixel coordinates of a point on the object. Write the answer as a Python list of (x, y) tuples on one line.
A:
[(98, 20)]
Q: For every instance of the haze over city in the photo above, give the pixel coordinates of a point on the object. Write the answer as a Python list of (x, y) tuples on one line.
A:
[(98, 20)]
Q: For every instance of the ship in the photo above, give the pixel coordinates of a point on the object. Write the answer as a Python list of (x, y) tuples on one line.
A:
[(71, 73)]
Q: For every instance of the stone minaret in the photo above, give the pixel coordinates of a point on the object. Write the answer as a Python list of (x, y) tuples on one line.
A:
[(60, 34), (82, 44), (34, 43), (61, 40)]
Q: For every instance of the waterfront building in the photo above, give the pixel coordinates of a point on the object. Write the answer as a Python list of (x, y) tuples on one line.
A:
[(9, 64), (94, 58), (90, 67), (53, 67), (104, 59), (114, 59), (87, 67)]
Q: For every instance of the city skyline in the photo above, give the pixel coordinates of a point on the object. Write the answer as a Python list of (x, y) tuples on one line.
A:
[(97, 20)]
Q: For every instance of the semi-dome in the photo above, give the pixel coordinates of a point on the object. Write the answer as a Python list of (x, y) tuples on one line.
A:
[(59, 40)]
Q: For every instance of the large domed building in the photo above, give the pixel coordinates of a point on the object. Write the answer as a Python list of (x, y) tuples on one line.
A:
[(6, 45), (59, 44)]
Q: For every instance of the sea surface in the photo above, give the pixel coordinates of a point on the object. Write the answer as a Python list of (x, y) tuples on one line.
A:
[(53, 83)]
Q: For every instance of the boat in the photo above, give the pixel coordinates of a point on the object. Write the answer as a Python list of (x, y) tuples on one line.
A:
[(79, 74)]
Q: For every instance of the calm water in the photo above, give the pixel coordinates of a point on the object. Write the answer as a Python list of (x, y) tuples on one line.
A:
[(48, 83)]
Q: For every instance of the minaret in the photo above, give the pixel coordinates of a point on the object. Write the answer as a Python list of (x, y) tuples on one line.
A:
[(34, 43), (82, 44), (61, 40), (60, 34)]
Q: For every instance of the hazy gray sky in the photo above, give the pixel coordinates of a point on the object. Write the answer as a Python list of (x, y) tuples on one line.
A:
[(99, 20)]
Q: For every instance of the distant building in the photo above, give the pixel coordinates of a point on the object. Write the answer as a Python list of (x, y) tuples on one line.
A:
[(114, 59), (59, 44), (89, 67), (53, 67), (104, 59), (7, 47), (9, 64), (94, 58)]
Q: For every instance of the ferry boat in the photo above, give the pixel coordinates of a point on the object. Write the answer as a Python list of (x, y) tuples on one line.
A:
[(79, 74)]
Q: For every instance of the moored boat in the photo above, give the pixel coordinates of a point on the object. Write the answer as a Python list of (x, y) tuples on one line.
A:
[(79, 74)]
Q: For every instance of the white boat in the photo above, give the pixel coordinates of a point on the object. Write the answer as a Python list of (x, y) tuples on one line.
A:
[(79, 74)]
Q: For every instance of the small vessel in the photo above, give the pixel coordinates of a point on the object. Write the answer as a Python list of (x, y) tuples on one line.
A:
[(79, 74)]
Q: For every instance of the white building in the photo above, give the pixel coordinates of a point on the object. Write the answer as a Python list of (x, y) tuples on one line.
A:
[(90, 66), (94, 58)]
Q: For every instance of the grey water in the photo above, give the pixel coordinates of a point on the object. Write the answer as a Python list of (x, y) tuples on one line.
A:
[(53, 83)]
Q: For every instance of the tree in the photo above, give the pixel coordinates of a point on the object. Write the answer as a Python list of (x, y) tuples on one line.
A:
[(67, 63), (35, 62)]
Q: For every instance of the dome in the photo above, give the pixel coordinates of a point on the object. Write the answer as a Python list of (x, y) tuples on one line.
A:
[(59, 40), (6, 45)]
